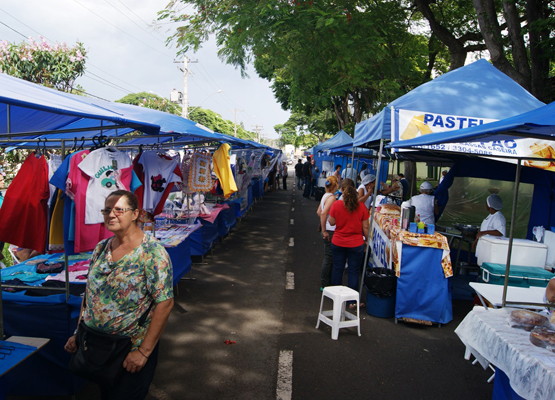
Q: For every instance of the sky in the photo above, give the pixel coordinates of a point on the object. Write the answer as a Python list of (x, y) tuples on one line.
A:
[(127, 54)]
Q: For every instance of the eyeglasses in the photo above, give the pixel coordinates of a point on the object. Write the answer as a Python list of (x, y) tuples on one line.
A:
[(117, 211)]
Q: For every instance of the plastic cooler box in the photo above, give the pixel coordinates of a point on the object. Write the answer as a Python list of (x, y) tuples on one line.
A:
[(518, 275), (493, 250)]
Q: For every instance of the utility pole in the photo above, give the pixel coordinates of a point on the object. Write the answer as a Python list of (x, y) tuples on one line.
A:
[(185, 70), (257, 129), (235, 122)]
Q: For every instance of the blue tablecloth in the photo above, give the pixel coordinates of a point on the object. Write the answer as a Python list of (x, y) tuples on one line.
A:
[(251, 197), (227, 219), (181, 259), (203, 239), (257, 187), (423, 292)]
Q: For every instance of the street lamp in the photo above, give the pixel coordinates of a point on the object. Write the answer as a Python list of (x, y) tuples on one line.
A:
[(219, 91)]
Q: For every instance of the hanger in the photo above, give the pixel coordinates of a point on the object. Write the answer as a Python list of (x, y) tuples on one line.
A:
[(74, 147), (38, 151), (82, 143)]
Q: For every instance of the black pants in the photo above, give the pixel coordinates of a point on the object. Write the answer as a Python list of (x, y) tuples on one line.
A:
[(284, 183), (133, 386)]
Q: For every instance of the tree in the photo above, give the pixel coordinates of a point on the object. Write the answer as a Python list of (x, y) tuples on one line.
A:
[(215, 122), (306, 131), (55, 66), (151, 100), (348, 57)]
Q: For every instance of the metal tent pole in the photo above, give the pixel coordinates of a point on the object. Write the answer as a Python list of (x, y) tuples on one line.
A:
[(366, 255), (511, 232)]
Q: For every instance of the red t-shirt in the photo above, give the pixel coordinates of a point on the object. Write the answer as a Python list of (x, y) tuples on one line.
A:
[(348, 227)]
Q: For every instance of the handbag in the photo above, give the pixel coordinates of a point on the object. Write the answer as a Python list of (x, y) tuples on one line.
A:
[(99, 357)]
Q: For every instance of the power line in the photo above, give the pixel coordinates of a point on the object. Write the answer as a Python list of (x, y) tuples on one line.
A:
[(7, 26), (133, 12), (87, 72), (126, 16), (121, 30)]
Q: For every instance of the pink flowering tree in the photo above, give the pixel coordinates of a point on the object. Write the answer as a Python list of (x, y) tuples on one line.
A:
[(56, 66)]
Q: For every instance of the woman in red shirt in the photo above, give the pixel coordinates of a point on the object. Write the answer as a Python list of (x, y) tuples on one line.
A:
[(350, 218)]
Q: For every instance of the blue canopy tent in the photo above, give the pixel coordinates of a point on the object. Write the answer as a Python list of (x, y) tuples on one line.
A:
[(537, 127), (471, 93)]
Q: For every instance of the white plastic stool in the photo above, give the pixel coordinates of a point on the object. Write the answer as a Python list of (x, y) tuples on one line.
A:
[(340, 318)]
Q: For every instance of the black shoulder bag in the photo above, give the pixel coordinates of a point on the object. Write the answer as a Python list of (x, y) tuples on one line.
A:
[(99, 357)]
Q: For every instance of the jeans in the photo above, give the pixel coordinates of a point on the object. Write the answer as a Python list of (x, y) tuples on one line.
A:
[(133, 386), (307, 186), (300, 180), (354, 257), (327, 263), (313, 187)]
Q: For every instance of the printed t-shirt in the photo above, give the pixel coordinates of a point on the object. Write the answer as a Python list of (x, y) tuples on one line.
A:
[(158, 174), (119, 293), (348, 227), (100, 166), (23, 216)]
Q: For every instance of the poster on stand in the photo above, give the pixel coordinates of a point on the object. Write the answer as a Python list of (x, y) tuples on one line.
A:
[(381, 248)]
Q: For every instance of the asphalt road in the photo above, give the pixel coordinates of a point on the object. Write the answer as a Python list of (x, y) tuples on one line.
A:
[(239, 294)]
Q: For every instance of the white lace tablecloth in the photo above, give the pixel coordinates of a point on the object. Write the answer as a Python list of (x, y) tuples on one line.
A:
[(531, 369)]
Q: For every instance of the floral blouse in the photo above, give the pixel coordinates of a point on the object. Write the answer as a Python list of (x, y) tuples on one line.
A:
[(119, 293)]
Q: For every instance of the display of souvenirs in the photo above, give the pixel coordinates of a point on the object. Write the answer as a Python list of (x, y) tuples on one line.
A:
[(199, 174)]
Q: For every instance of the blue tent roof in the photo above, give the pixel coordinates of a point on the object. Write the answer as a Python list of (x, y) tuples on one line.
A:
[(35, 108), (340, 139), (476, 90), (538, 123)]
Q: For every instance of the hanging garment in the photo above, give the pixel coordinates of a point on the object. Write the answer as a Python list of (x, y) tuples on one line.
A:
[(100, 166), (159, 172), (23, 216), (56, 227), (86, 236), (199, 174), (222, 168)]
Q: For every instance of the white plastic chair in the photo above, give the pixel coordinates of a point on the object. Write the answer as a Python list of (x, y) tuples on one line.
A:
[(340, 318)]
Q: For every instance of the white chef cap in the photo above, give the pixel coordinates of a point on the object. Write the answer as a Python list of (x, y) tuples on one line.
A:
[(426, 186), (495, 202), (368, 178)]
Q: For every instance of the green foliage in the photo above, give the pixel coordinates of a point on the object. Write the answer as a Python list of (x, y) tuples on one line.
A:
[(54, 66), (347, 57), (151, 100), (215, 122)]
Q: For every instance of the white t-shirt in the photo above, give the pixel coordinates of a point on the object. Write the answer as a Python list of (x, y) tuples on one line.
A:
[(494, 222), (100, 165), (322, 204), (368, 202), (348, 173), (424, 204), (158, 173)]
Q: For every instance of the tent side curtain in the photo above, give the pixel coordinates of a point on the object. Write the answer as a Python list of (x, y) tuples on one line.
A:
[(543, 202), (477, 90)]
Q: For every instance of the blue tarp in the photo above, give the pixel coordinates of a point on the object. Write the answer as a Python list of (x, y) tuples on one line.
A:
[(476, 90), (340, 139)]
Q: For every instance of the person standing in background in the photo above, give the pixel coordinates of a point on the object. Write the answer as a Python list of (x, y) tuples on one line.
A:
[(299, 174), (337, 174), (315, 174), (327, 230), (348, 172), (405, 184), (284, 174), (307, 173)]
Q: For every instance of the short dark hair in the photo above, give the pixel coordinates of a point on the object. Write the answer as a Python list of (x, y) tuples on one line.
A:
[(401, 175), (337, 166)]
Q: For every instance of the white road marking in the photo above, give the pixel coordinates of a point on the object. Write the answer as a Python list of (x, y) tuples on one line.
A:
[(292, 222), (290, 281), (285, 375), (292, 208), (293, 200), (291, 242)]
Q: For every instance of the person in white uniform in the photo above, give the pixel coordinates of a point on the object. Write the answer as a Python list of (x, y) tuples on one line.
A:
[(425, 204), (494, 224), (366, 189)]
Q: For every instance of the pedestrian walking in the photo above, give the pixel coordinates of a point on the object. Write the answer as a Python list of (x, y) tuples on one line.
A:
[(299, 174)]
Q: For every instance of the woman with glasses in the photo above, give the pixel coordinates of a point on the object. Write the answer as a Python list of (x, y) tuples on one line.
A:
[(130, 277)]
